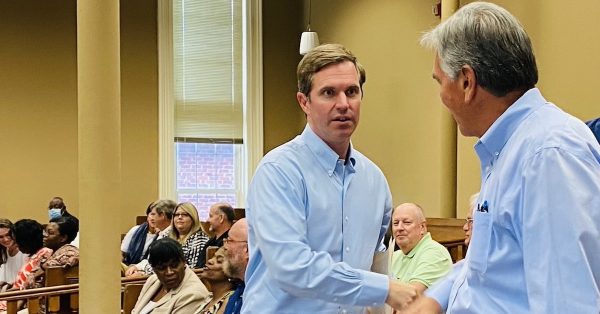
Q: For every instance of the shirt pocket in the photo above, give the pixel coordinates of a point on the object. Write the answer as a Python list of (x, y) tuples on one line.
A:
[(480, 241)]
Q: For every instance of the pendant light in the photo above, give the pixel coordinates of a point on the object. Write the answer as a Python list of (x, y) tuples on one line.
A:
[(309, 39)]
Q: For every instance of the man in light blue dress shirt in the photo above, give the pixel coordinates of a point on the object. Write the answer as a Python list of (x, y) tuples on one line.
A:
[(535, 244), (317, 208)]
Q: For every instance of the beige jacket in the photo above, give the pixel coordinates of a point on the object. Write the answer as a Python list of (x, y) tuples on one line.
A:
[(184, 299)]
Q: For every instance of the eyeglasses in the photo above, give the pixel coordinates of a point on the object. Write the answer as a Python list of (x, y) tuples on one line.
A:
[(229, 240), (468, 220), (181, 215)]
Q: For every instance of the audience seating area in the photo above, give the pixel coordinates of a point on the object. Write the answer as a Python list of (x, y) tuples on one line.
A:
[(61, 293)]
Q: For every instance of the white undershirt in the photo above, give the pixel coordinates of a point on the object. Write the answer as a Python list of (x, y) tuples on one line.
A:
[(10, 269), (148, 308)]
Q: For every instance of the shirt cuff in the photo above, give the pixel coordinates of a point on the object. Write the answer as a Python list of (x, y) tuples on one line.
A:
[(375, 288), (440, 292)]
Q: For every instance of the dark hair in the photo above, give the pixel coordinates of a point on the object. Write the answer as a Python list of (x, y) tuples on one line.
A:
[(67, 226), (5, 223), (149, 208), (62, 203), (164, 251), (29, 236), (228, 211)]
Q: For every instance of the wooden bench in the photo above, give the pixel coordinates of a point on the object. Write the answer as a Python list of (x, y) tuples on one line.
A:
[(239, 213), (131, 292), (449, 233), (61, 293), (57, 276)]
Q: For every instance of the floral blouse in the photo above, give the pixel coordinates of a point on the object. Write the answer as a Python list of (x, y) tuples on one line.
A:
[(25, 278)]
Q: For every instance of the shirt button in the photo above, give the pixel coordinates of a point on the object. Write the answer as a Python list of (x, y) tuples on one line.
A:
[(335, 299), (344, 311), (347, 249), (496, 153), (346, 218)]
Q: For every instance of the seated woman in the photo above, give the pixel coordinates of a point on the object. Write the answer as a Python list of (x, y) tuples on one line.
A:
[(58, 235), (221, 287), (138, 238), (187, 230), (11, 259), (29, 238), (174, 288)]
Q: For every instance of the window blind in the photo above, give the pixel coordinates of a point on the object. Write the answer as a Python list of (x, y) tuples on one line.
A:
[(207, 52)]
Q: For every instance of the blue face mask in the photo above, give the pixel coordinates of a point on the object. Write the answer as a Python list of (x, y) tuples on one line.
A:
[(54, 213)]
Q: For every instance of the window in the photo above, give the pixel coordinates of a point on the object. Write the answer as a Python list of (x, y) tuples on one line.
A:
[(210, 100), (208, 173)]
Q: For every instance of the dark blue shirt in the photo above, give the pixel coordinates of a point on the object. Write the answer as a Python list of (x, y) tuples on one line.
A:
[(595, 126), (234, 305)]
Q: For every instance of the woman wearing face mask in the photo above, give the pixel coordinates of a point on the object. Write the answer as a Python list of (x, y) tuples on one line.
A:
[(11, 259), (57, 209)]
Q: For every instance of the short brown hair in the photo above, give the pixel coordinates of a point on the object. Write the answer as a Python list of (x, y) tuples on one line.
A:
[(321, 57)]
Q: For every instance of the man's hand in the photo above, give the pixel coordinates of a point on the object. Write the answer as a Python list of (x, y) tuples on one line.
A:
[(400, 295), (422, 305)]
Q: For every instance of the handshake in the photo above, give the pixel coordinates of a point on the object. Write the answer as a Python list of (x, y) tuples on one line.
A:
[(405, 299)]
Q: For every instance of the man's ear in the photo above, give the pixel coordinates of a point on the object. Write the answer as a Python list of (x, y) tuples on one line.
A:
[(303, 101), (468, 82)]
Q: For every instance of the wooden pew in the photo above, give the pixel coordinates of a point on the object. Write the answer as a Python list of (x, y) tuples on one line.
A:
[(210, 252), (140, 220), (32, 296), (57, 276), (206, 228), (239, 213), (131, 292), (449, 233)]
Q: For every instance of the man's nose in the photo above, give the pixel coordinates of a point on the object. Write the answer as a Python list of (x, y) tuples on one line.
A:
[(341, 101)]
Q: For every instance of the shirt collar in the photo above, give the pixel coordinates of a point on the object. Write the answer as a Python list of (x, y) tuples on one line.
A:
[(414, 250), (491, 143), (325, 155)]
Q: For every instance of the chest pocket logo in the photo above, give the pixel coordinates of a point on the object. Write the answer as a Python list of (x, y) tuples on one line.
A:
[(480, 240)]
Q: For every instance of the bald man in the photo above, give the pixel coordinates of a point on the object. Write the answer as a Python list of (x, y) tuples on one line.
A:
[(236, 262), (420, 261)]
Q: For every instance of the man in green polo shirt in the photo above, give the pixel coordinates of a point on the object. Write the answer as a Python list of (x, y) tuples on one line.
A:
[(420, 261)]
